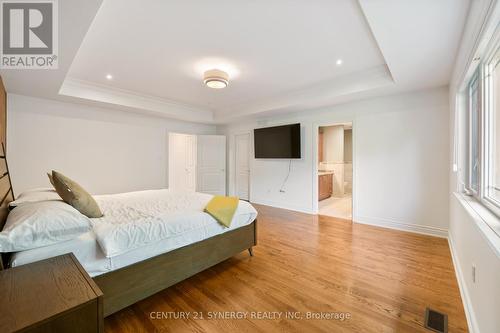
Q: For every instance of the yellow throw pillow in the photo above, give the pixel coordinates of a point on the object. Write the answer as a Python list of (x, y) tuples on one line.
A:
[(222, 209), (73, 194)]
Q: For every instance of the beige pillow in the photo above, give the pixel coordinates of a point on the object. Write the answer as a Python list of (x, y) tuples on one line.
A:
[(73, 194)]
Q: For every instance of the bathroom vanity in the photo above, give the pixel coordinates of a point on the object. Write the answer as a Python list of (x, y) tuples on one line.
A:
[(325, 184)]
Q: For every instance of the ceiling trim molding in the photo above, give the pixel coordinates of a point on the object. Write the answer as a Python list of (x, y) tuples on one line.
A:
[(377, 42), (101, 93), (322, 93)]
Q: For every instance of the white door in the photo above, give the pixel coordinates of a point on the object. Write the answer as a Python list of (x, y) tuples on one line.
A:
[(182, 162), (242, 166), (211, 164)]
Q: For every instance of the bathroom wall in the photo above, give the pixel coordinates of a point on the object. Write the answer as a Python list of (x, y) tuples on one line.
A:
[(333, 152), (333, 144), (347, 145)]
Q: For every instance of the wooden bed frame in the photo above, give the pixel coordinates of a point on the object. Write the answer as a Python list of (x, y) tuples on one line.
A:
[(127, 285)]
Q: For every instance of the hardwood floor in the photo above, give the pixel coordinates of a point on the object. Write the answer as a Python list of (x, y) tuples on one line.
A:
[(384, 279)]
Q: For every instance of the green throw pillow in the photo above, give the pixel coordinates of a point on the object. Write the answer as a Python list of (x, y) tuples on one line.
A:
[(73, 194), (50, 178)]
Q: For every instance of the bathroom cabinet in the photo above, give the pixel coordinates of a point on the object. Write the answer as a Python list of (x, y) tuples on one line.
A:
[(325, 186)]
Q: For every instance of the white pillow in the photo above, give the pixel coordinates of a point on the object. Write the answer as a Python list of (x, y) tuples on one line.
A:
[(37, 224), (35, 195)]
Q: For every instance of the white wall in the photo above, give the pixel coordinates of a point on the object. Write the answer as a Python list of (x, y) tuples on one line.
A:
[(472, 242), (400, 152), (107, 151)]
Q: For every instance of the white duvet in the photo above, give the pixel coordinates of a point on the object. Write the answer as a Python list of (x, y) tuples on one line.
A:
[(135, 219)]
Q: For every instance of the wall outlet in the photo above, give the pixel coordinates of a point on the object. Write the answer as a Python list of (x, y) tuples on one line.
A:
[(473, 272)]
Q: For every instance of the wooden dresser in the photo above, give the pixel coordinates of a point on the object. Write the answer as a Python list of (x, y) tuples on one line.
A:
[(325, 186), (52, 295)]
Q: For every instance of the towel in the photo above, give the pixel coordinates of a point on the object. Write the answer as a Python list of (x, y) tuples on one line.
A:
[(222, 209)]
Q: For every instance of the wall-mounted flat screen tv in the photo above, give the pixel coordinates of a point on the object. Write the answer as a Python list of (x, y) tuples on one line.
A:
[(277, 142)]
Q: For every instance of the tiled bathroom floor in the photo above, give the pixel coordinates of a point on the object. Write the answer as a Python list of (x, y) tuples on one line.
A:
[(337, 207)]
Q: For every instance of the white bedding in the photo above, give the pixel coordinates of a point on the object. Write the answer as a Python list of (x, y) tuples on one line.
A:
[(135, 219), (140, 225)]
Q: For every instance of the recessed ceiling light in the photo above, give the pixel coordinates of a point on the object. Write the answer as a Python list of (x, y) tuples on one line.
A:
[(216, 79), (339, 62), (109, 77)]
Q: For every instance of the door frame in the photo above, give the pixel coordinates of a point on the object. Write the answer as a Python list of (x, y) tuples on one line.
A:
[(235, 175), (315, 158)]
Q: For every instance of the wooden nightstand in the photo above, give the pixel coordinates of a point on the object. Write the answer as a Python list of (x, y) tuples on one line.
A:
[(52, 295)]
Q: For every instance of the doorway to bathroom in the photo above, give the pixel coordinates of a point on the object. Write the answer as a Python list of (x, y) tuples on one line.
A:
[(335, 172)]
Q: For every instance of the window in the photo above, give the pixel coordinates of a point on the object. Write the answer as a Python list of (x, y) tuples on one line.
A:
[(482, 177), (492, 129)]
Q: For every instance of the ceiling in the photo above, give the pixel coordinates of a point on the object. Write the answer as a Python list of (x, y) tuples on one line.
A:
[(281, 55)]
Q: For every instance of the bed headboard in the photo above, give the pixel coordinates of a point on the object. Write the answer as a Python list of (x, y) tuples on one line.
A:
[(6, 192)]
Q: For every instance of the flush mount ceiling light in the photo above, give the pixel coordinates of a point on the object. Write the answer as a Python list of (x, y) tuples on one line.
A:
[(339, 62), (109, 77), (216, 79)]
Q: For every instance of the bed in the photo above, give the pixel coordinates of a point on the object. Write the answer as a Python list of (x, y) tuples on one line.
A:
[(148, 241), (137, 226), (192, 241)]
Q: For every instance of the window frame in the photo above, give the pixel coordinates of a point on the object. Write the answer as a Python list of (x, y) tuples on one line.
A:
[(481, 74), (476, 76), (488, 124)]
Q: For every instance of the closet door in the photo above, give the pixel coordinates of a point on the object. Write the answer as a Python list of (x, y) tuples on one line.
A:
[(211, 164), (242, 166), (182, 162)]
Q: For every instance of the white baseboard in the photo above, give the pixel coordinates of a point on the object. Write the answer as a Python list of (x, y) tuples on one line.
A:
[(393, 224), (462, 286), (259, 201), (379, 222)]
